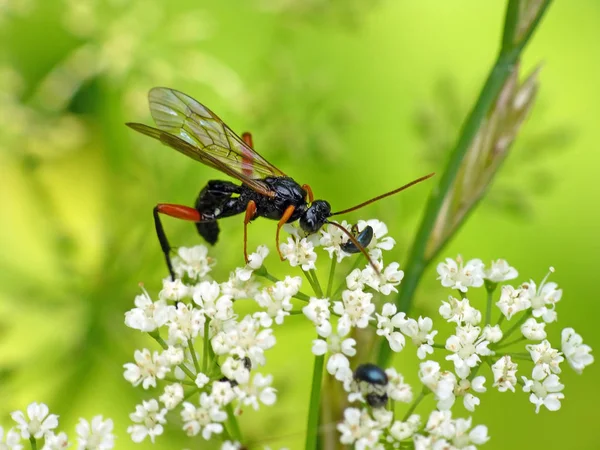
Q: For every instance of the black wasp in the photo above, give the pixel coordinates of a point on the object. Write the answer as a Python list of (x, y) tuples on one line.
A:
[(194, 130)]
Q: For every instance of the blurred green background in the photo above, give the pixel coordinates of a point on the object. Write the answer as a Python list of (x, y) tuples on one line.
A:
[(354, 97)]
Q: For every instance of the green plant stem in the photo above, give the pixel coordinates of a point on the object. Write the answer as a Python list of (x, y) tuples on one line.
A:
[(505, 63), (205, 347), (513, 342), (490, 298), (331, 275), (418, 400), (154, 335), (33, 443), (515, 327), (313, 272), (314, 407), (193, 352), (234, 426)]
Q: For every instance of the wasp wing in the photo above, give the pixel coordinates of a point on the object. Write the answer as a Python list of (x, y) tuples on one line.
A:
[(201, 154), (188, 119)]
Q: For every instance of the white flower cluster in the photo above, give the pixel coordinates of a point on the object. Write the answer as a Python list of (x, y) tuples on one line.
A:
[(531, 308), (209, 355), (37, 427)]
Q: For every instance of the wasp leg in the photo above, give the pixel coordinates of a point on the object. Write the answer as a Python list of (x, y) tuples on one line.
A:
[(178, 211), (286, 216), (309, 191), (250, 213)]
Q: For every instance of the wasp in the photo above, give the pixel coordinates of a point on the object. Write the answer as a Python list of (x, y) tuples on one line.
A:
[(189, 127)]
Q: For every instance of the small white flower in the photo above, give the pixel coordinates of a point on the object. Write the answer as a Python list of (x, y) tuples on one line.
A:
[(317, 311), (231, 445), (149, 419), (173, 290), (442, 384), (256, 259), (172, 396), (222, 393), (547, 360), (455, 275), (338, 348), (577, 353), (505, 374), (544, 298), (358, 428), (206, 418), (39, 421), (207, 296), (299, 252), (186, 322), (331, 239), (58, 441), (534, 330), (356, 306), (492, 334), (259, 390), (464, 388), (276, 299), (239, 285), (397, 389), (513, 301), (147, 368), (386, 328), (235, 369), (148, 315), (419, 331), (193, 262), (12, 440), (386, 281), (201, 380), (404, 430), (459, 311), (95, 435), (467, 346), (545, 393), (500, 271)]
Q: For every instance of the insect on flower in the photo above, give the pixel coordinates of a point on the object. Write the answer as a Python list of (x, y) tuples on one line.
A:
[(194, 130), (373, 381)]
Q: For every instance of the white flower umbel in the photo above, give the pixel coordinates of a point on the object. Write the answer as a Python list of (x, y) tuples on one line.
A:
[(577, 353), (318, 312), (11, 440), (547, 360), (147, 315), (387, 329), (459, 311), (259, 391), (148, 421), (339, 349), (192, 262), (467, 346), (513, 301), (397, 389), (420, 331), (359, 429), (505, 374), (205, 418), (533, 330), (456, 275), (38, 422), (544, 298), (499, 271), (299, 252), (356, 306), (95, 435), (147, 368), (546, 392)]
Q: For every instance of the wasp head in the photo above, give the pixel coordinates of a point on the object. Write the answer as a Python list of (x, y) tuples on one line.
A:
[(315, 216)]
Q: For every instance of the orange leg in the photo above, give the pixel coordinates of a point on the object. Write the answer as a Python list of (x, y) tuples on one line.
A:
[(286, 216), (250, 213), (307, 188)]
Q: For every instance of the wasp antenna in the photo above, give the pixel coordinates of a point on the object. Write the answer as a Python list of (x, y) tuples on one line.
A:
[(355, 242), (387, 194)]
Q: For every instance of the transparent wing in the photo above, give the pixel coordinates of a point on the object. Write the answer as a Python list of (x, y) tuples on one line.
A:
[(186, 118), (204, 155)]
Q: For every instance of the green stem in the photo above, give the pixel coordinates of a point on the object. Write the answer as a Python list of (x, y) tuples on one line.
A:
[(316, 279), (313, 410), (205, 347), (33, 443), (331, 275), (515, 327), (513, 342), (488, 310), (418, 400), (234, 426), (193, 353), (154, 335), (507, 58), (314, 287)]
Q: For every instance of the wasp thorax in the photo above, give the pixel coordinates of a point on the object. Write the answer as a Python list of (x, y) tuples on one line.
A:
[(315, 216)]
